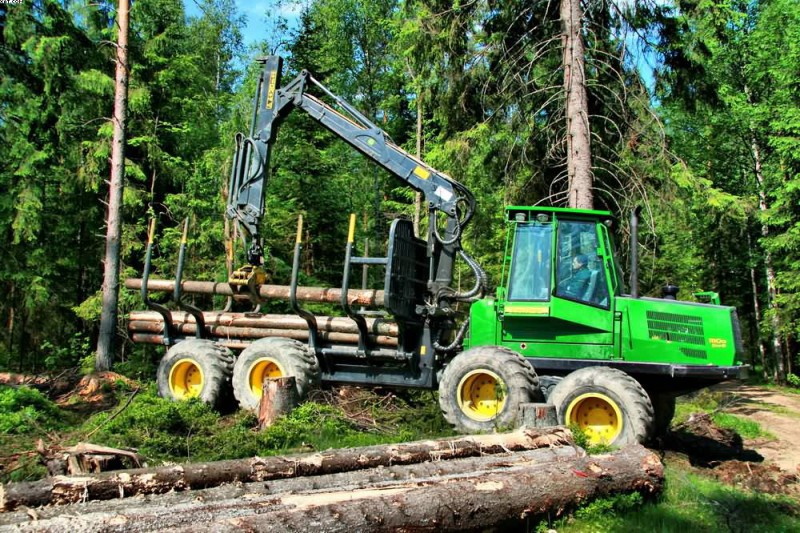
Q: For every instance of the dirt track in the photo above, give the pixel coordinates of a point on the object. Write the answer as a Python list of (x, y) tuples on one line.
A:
[(777, 412)]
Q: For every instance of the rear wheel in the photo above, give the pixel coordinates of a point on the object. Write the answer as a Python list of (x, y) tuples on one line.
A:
[(608, 405), (482, 389), (273, 358), (195, 368)]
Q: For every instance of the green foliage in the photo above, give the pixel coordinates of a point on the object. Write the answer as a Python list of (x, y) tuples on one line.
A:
[(76, 350), (690, 502), (748, 429), (26, 410), (161, 429), (309, 424), (582, 441)]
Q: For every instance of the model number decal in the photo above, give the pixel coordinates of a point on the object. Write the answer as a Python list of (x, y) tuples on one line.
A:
[(718, 343), (273, 81)]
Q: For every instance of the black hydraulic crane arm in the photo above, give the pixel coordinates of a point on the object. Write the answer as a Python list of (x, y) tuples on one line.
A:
[(251, 167)]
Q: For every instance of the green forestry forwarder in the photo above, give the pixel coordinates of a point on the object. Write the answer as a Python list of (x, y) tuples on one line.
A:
[(559, 328)]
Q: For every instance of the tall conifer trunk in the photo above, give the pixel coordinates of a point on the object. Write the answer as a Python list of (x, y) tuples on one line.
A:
[(108, 318), (579, 156)]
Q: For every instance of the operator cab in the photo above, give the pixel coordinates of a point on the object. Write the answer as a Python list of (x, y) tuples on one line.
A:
[(582, 269)]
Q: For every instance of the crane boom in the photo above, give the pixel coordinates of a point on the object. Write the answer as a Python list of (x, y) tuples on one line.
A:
[(250, 173)]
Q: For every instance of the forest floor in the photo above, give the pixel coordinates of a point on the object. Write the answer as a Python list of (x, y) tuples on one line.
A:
[(778, 414), (734, 443)]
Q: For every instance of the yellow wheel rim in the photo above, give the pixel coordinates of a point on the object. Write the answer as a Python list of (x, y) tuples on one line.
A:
[(185, 379), (266, 367), (597, 415), (481, 395)]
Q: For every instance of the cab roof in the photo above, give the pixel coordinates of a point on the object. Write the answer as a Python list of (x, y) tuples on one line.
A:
[(530, 211)]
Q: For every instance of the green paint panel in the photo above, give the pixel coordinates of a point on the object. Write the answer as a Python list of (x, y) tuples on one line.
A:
[(669, 331), (483, 325)]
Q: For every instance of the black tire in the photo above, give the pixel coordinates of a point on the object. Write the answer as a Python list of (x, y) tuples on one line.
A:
[(273, 357), (195, 368), (607, 404), (547, 384), (501, 378), (663, 412)]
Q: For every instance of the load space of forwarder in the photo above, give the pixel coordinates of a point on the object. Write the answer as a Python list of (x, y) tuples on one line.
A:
[(612, 364)]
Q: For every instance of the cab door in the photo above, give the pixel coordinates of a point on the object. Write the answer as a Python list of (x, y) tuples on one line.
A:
[(572, 316)]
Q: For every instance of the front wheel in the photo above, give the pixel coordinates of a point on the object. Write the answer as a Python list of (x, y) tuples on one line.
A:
[(608, 405), (482, 389), (195, 368)]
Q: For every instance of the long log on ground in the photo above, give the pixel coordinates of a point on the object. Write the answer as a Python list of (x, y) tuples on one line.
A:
[(272, 321), (371, 477), (225, 332), (477, 500), (271, 292), (123, 483)]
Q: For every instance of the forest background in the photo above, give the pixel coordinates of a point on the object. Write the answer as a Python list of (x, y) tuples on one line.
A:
[(694, 111)]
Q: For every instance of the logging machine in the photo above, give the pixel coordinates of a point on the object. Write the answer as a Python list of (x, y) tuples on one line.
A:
[(611, 363)]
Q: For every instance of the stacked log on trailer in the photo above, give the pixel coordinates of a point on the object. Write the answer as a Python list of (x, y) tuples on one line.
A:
[(474, 482), (372, 298), (238, 330)]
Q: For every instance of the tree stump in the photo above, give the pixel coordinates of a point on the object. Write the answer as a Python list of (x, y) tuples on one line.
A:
[(278, 397), (538, 415)]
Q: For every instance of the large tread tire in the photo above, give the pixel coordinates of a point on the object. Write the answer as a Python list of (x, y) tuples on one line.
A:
[(503, 371), (273, 357), (663, 412), (195, 368), (586, 396)]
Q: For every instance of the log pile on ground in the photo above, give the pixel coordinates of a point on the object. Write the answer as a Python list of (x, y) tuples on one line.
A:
[(447, 484), (237, 330)]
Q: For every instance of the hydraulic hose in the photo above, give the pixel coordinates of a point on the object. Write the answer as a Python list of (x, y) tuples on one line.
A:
[(459, 339)]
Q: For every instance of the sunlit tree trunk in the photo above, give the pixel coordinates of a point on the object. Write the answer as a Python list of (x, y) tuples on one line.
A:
[(762, 348), (108, 318), (579, 157), (779, 373)]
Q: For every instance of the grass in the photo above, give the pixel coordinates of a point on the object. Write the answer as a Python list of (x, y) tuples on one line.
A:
[(689, 503), (164, 431), (748, 429)]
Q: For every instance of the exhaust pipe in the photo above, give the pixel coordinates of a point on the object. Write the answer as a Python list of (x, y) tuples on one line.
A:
[(634, 281)]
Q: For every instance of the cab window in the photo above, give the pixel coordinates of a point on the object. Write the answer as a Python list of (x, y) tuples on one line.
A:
[(530, 263), (579, 272)]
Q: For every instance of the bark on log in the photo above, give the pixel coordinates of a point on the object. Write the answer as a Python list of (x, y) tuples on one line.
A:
[(276, 292), (372, 477), (109, 485), (225, 332), (271, 321), (478, 500), (151, 338), (278, 397)]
